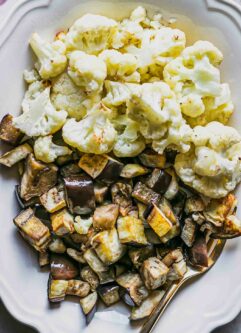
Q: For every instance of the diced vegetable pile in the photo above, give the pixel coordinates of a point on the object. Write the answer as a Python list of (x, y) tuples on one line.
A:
[(113, 229)]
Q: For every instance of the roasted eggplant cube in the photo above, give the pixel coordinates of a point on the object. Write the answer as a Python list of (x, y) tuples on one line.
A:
[(218, 210), (69, 170), (167, 210), (78, 288), (25, 204), (178, 203), (57, 246), (33, 230), (133, 291), (57, 290), (173, 187), (177, 271), (174, 232), (108, 247), (151, 159), (105, 217), (82, 225), (198, 253), (159, 181), (63, 268), (152, 237), (131, 231), (53, 200), (133, 170), (159, 222), (76, 255), (148, 305), (43, 259), (79, 192), (154, 273), (231, 229), (137, 256), (111, 172), (109, 294), (88, 275), (16, 155), (89, 306), (194, 204), (94, 262), (121, 195), (144, 194), (172, 256), (170, 155), (189, 231), (62, 223), (37, 179), (8, 132), (100, 191), (93, 164)]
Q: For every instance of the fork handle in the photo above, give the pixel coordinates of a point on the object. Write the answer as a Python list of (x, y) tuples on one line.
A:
[(158, 311)]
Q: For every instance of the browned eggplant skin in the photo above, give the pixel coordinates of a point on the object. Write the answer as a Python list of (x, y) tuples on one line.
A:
[(144, 194), (109, 293), (111, 172), (198, 254), (79, 192), (37, 179), (63, 268), (8, 132), (159, 181)]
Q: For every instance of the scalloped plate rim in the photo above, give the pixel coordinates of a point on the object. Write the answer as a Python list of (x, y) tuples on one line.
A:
[(229, 312)]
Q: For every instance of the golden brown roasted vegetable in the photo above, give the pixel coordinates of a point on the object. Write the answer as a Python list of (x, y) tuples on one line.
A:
[(154, 273), (93, 164), (33, 230), (132, 290), (133, 170), (131, 231), (149, 304), (8, 132), (121, 195), (151, 159), (159, 222), (37, 179), (78, 288), (16, 155), (108, 247), (89, 306), (53, 200), (105, 217), (62, 222)]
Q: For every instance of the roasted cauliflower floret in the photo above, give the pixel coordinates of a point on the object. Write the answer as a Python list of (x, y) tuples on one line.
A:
[(40, 118), (91, 34), (155, 49), (51, 56), (118, 93), (65, 95), (129, 141), (212, 166), (195, 78), (155, 109), (121, 66), (45, 150), (87, 71), (93, 134)]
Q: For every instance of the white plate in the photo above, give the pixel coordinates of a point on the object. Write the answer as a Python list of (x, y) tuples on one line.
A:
[(210, 301)]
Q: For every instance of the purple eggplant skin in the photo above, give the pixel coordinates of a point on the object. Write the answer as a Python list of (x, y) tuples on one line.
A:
[(109, 293), (170, 155), (62, 268), (178, 203), (79, 192), (159, 181), (124, 295), (198, 253), (111, 172), (22, 203), (90, 315)]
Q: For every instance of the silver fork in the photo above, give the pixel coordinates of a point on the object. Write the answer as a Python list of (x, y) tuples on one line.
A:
[(215, 248)]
